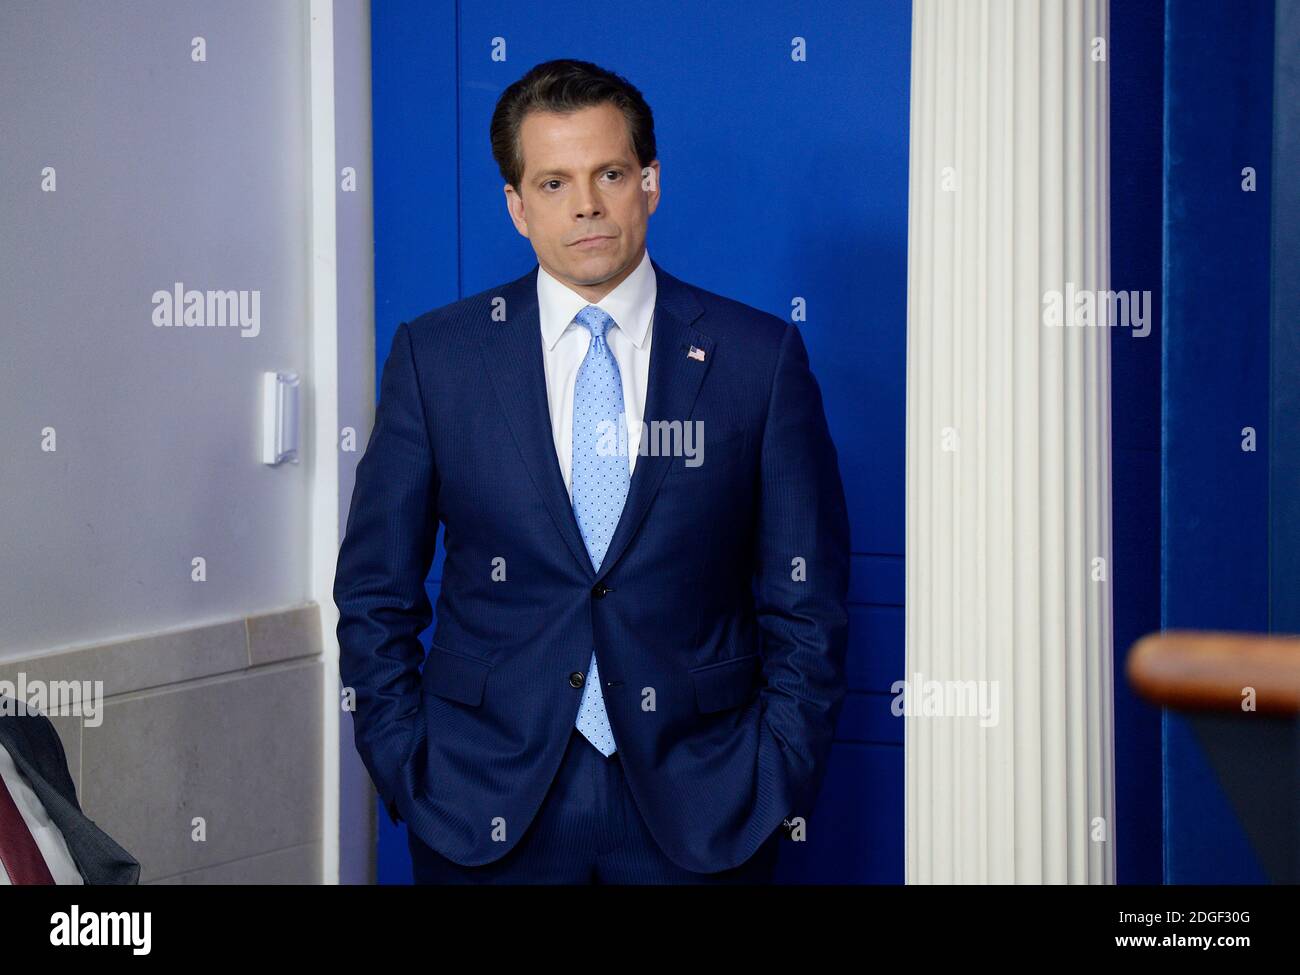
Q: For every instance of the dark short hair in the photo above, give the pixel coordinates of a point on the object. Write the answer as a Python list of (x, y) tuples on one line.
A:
[(565, 86)]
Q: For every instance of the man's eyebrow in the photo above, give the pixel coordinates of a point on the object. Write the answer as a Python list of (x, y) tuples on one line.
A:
[(601, 167)]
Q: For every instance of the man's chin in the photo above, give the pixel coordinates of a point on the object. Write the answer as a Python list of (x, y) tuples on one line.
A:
[(594, 271)]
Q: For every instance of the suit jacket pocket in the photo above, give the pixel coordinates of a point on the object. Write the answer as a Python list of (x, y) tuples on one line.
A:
[(727, 683), (455, 676)]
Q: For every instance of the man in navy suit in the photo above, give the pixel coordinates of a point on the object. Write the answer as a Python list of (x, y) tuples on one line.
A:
[(638, 658)]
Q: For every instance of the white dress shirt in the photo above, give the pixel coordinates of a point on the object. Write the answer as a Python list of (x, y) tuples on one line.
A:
[(564, 346), (48, 836)]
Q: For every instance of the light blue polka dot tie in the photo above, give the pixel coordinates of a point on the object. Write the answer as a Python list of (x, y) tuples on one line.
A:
[(600, 483)]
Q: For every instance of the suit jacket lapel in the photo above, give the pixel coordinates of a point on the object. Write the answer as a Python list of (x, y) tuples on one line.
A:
[(673, 385), (512, 354)]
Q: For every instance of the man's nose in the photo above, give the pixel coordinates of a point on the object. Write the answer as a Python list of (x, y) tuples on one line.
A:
[(588, 204)]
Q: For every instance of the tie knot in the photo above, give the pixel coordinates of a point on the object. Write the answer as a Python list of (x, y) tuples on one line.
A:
[(594, 320)]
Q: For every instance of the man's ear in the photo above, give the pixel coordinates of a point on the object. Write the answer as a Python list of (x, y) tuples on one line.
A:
[(515, 207)]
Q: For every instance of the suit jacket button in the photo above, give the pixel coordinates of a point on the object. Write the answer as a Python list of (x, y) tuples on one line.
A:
[(576, 679), (598, 590)]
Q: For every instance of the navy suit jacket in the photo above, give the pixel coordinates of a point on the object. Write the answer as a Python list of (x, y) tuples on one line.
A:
[(718, 615), (38, 753)]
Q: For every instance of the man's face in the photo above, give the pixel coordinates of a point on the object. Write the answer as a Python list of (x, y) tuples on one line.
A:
[(582, 180)]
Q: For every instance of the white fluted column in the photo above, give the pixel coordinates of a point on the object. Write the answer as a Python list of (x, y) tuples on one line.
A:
[(1008, 447)]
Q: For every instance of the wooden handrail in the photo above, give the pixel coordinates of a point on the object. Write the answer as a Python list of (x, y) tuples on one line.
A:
[(1197, 670)]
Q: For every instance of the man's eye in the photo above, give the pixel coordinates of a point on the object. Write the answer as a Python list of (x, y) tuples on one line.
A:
[(549, 182), (617, 174)]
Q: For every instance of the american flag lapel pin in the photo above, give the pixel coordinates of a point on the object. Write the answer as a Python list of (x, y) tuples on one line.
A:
[(695, 353)]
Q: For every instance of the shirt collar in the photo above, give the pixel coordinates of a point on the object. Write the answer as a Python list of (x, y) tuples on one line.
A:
[(631, 304)]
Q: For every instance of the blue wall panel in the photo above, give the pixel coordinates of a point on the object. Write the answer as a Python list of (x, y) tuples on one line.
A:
[(1284, 449), (1218, 120), (413, 74), (1136, 59)]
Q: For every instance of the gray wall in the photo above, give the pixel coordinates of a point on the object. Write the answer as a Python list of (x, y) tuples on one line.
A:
[(167, 170), (199, 172), (356, 371)]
